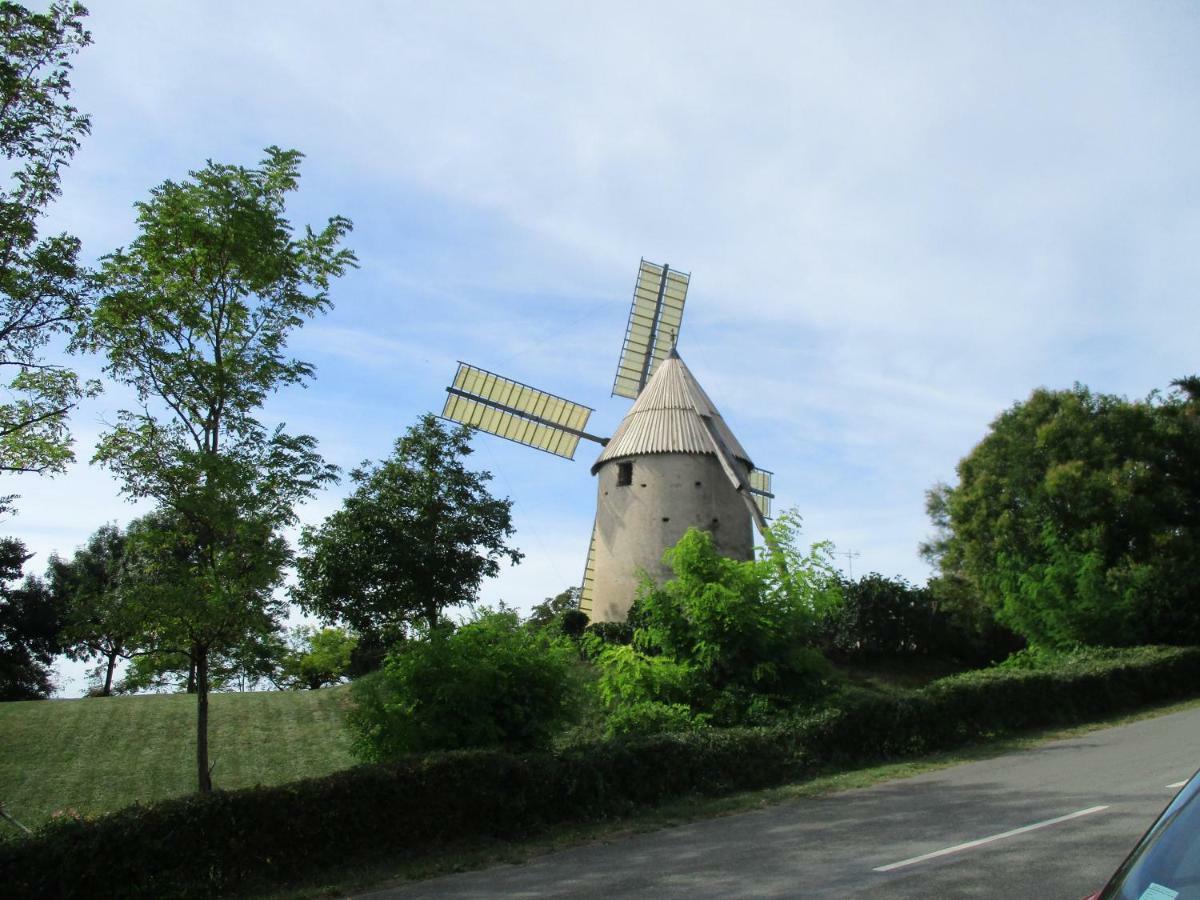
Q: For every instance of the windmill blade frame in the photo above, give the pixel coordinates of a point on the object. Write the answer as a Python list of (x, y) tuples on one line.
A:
[(659, 296), (760, 489), (517, 412), (587, 589)]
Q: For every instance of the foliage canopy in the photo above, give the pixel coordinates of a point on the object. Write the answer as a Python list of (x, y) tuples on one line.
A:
[(1077, 518), (489, 683), (731, 640), (41, 283), (419, 534)]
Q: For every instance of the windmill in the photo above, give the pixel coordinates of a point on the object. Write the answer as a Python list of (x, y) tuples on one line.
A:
[(671, 464)]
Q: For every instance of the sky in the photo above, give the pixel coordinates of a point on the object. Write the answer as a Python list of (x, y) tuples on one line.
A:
[(899, 220)]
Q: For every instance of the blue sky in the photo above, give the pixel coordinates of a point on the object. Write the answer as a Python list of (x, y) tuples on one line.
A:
[(899, 220)]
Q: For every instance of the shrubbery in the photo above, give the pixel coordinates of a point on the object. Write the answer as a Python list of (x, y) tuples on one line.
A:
[(488, 683), (1075, 518), (208, 845), (731, 641), (888, 618)]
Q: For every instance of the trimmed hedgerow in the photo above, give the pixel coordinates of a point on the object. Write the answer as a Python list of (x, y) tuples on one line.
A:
[(236, 841)]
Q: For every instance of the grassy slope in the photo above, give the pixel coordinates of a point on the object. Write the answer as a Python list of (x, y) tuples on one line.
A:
[(99, 754)]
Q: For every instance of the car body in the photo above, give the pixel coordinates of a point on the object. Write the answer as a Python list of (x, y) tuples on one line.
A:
[(1165, 864)]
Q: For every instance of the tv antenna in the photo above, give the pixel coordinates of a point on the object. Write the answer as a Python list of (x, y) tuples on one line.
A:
[(851, 556)]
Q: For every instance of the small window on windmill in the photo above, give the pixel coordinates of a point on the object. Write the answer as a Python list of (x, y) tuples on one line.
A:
[(624, 474)]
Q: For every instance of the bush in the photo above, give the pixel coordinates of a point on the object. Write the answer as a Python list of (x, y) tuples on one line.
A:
[(209, 845), (489, 683), (648, 694), (888, 617), (736, 636), (598, 634), (653, 717)]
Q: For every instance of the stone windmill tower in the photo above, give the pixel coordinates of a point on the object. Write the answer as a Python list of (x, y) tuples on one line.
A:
[(672, 463)]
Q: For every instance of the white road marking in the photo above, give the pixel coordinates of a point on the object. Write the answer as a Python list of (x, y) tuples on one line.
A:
[(1177, 784), (987, 840)]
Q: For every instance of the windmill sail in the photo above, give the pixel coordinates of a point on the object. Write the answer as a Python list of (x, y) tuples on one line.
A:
[(760, 490), (517, 412), (654, 320), (587, 593)]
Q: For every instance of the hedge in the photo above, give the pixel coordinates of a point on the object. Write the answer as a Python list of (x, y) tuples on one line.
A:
[(234, 841)]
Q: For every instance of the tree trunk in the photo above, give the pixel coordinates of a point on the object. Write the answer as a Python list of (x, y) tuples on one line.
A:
[(108, 676), (200, 664), (191, 681)]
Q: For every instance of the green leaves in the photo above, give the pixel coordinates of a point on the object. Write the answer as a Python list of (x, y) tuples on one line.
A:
[(489, 683), (731, 640), (1077, 518), (196, 312), (195, 316), (419, 534), (42, 290)]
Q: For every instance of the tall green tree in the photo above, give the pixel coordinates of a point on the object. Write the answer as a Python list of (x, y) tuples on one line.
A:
[(29, 624), (195, 316), (1077, 518), (419, 534), (101, 618), (41, 293)]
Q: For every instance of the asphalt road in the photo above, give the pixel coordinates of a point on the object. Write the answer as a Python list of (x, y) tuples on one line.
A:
[(1051, 822)]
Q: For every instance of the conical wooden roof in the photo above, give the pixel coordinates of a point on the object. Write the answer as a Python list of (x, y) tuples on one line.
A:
[(666, 418)]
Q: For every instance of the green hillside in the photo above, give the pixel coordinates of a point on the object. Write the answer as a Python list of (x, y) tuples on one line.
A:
[(98, 754)]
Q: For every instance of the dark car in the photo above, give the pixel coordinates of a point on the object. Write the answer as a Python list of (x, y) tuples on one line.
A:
[(1165, 864)]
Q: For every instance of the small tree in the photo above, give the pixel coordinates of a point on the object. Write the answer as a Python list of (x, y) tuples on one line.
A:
[(560, 613), (29, 624), (101, 621), (209, 613), (195, 316), (419, 534), (489, 683), (316, 658), (40, 280)]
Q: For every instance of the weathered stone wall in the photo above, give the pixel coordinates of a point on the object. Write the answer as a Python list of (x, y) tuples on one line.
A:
[(668, 494)]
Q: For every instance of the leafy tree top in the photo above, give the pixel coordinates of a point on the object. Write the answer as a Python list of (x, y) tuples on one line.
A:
[(195, 316), (419, 533), (1078, 517), (41, 291), (197, 311)]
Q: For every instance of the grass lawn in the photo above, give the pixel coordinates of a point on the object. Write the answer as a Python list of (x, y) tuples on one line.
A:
[(99, 754)]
